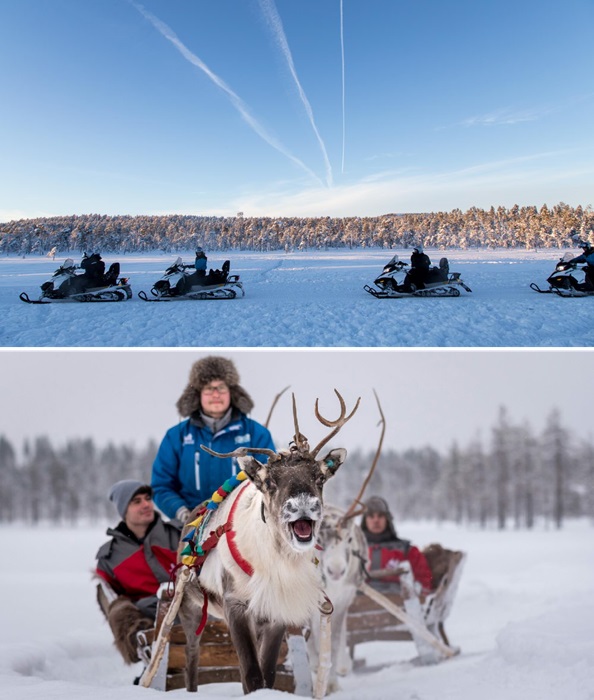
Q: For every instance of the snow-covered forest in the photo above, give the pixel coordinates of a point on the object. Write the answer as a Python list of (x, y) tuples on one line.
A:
[(518, 227), (514, 479)]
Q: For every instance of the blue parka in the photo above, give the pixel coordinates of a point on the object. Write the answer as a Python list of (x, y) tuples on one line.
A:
[(185, 475), (586, 257)]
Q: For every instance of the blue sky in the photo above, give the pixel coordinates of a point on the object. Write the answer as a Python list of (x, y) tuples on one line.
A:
[(214, 107)]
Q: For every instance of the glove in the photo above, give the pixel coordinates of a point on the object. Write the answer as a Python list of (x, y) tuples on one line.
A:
[(183, 514)]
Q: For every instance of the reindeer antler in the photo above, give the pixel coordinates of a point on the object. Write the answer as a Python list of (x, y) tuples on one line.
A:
[(274, 402), (336, 424), (351, 510), (240, 452), (301, 443)]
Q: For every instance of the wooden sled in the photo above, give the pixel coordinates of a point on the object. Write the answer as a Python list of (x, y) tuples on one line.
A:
[(404, 615), (218, 659)]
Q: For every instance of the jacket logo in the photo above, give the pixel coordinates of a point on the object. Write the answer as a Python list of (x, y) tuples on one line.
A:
[(188, 439), (243, 439)]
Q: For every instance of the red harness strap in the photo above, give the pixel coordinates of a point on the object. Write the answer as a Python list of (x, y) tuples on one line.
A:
[(239, 560), (211, 541)]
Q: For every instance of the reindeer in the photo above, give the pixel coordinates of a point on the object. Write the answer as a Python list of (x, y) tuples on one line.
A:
[(343, 559), (262, 575)]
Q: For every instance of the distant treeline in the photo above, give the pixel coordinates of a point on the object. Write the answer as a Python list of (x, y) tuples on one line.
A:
[(518, 479), (518, 227)]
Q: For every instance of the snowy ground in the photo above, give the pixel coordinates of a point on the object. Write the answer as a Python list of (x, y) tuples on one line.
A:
[(306, 299), (523, 619)]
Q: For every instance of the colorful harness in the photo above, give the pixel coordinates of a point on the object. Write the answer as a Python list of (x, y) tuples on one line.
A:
[(194, 554)]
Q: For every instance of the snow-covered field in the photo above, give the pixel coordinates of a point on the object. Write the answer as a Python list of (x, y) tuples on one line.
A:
[(306, 299), (523, 619)]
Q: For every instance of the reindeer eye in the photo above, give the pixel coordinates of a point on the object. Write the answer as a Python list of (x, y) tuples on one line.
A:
[(270, 485), (320, 481)]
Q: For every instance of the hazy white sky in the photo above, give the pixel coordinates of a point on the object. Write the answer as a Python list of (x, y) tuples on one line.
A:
[(429, 397)]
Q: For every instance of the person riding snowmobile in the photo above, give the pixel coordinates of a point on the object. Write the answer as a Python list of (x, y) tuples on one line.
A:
[(586, 257), (419, 270), (94, 268)]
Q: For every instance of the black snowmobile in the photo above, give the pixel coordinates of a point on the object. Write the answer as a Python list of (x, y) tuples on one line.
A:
[(567, 280), (84, 283), (392, 282), (182, 281)]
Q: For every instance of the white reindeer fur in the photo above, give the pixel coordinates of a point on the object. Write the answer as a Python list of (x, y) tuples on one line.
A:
[(286, 583)]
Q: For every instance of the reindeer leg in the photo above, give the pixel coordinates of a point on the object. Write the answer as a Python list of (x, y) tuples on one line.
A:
[(269, 648), (243, 640), (190, 615)]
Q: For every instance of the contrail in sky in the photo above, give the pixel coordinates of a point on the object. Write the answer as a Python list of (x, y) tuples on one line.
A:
[(237, 102), (274, 20), (342, 61)]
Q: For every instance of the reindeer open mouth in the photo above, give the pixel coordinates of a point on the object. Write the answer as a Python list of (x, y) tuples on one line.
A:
[(302, 529)]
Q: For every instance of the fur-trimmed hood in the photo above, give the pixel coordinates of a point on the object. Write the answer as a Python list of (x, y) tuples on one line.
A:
[(205, 371)]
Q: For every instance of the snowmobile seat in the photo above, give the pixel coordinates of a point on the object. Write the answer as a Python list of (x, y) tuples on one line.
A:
[(111, 276), (444, 266), (368, 621)]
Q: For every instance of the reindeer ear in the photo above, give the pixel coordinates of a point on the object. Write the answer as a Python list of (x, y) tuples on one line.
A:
[(256, 471), (332, 461)]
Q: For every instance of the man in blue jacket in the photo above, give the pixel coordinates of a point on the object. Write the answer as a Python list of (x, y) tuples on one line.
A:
[(215, 407)]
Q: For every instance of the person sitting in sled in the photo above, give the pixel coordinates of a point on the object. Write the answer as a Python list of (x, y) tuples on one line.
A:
[(387, 550), (140, 556), (215, 409), (586, 257), (419, 270)]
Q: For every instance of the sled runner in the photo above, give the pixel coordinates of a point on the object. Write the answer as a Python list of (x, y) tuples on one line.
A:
[(392, 282), (85, 283), (218, 659), (405, 615), (183, 282)]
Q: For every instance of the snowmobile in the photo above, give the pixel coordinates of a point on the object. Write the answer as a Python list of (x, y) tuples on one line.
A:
[(183, 281), (72, 283), (567, 280), (440, 282)]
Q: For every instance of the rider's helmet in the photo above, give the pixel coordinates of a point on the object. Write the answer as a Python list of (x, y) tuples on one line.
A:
[(418, 248), (199, 251)]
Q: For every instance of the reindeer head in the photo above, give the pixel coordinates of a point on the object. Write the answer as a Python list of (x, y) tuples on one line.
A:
[(292, 481), (344, 548)]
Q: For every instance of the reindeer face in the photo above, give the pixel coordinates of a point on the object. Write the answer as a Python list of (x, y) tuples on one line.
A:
[(292, 487), (341, 542)]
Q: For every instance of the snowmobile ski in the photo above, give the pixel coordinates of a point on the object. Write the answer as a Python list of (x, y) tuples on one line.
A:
[(440, 291), (107, 294), (536, 288), (214, 292)]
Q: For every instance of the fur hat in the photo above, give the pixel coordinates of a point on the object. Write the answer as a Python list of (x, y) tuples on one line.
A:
[(205, 371), (122, 492)]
